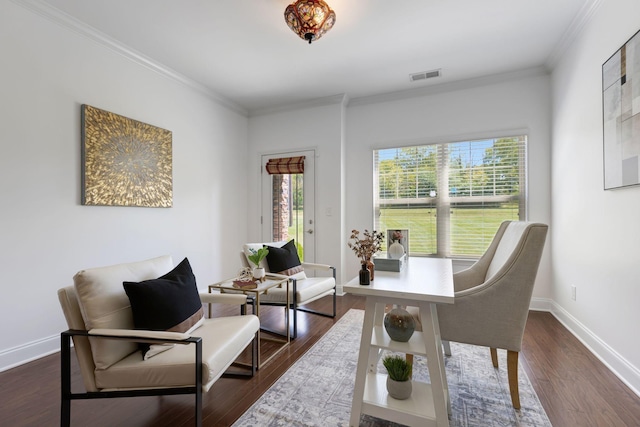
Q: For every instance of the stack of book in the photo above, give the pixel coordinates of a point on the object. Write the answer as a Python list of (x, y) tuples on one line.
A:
[(245, 284)]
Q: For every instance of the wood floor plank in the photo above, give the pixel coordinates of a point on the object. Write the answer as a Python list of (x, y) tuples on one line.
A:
[(574, 387)]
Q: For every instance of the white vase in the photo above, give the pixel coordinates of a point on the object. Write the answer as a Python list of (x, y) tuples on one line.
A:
[(258, 273), (396, 250)]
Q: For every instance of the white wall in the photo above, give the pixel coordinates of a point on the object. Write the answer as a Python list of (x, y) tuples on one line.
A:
[(517, 102), (595, 233), (47, 72)]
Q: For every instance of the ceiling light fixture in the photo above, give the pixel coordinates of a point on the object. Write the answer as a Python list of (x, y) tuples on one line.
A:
[(309, 19)]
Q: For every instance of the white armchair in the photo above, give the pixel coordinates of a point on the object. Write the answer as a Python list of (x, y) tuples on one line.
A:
[(303, 289), (101, 325)]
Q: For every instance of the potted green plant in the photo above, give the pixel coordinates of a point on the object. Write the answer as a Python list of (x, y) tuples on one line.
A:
[(255, 257), (399, 379)]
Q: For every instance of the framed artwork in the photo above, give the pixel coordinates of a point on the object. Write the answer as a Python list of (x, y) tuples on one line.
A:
[(397, 243), (621, 116), (124, 162)]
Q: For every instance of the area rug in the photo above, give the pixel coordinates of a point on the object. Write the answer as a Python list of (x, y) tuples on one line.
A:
[(317, 390)]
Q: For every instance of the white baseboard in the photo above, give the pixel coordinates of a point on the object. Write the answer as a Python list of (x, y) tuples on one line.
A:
[(28, 352), (540, 304), (628, 374)]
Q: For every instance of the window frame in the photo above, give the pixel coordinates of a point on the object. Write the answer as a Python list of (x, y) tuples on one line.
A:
[(443, 205)]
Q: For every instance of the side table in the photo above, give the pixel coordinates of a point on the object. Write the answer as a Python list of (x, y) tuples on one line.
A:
[(226, 286)]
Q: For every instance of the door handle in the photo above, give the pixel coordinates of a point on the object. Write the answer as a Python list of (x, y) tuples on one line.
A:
[(310, 231)]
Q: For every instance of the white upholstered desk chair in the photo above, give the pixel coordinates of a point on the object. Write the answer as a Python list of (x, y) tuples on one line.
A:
[(492, 296)]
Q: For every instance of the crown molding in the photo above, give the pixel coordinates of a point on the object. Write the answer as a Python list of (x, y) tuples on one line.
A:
[(573, 31), (450, 86), (341, 98), (67, 21), (345, 100)]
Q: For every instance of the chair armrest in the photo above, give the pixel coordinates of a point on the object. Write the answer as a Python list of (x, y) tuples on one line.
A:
[(219, 298), (314, 266), (467, 279), (138, 334), (278, 276)]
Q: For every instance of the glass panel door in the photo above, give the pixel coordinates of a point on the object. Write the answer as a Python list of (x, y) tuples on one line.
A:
[(288, 205)]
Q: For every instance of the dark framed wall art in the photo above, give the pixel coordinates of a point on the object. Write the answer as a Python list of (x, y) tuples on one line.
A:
[(124, 162), (621, 116)]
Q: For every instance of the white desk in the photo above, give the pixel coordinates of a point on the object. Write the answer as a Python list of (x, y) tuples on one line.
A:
[(423, 283)]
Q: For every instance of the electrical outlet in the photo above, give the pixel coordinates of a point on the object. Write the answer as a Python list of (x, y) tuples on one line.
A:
[(573, 292)]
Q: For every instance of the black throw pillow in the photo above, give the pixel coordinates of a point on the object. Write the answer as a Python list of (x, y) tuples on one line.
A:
[(169, 303), (284, 260)]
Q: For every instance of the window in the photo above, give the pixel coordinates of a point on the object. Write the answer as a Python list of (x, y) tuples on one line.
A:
[(452, 197)]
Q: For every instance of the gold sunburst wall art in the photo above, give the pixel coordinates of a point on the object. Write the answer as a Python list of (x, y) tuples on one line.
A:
[(124, 162)]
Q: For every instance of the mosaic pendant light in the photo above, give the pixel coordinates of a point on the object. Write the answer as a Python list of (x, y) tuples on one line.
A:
[(309, 19)]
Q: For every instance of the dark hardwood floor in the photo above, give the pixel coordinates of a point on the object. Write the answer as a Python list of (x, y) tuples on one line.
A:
[(573, 386)]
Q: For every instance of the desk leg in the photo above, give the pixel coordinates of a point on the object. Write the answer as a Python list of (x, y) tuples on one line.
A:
[(375, 353), (363, 362), (440, 350), (378, 320), (435, 362)]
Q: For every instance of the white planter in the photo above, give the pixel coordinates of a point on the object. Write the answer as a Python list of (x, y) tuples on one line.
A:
[(400, 390), (258, 273)]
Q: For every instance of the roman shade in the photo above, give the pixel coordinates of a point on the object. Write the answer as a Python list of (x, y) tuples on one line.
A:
[(285, 165)]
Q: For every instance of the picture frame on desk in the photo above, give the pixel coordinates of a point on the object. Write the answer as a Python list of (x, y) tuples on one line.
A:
[(396, 238)]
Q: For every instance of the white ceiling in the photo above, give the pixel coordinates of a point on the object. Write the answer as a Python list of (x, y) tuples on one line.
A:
[(243, 50)]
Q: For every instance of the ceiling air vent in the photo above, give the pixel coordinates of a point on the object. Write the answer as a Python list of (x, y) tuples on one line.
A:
[(424, 75)]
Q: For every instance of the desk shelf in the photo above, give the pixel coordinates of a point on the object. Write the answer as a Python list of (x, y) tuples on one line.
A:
[(381, 339), (417, 410)]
